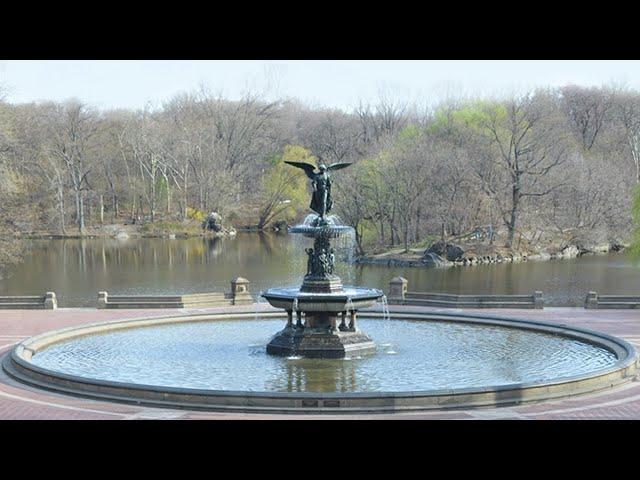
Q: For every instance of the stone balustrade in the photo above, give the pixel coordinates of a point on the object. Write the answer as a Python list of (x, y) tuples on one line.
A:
[(239, 295), (48, 301), (399, 295), (595, 301)]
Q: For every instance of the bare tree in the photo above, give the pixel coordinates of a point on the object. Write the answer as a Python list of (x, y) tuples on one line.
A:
[(524, 147), (588, 110), (72, 130), (627, 112)]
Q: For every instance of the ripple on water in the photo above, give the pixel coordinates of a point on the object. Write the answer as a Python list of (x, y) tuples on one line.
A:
[(230, 355)]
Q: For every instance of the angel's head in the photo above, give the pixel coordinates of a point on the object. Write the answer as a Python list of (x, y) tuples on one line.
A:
[(322, 167)]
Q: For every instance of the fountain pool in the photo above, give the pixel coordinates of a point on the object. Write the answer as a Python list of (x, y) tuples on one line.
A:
[(425, 361)]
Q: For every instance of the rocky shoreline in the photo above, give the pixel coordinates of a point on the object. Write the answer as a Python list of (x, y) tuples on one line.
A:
[(430, 259)]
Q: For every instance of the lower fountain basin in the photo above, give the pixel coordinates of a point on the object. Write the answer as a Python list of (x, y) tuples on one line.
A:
[(349, 298), (424, 360)]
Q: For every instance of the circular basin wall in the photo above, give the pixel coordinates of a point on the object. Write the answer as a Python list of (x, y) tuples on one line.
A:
[(423, 361)]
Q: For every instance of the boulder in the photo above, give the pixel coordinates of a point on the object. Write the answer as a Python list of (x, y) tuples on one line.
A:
[(570, 251), (281, 226), (213, 222), (616, 247), (434, 260), (450, 251)]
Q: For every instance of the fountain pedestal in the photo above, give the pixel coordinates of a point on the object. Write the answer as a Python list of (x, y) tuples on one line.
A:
[(320, 342), (328, 308)]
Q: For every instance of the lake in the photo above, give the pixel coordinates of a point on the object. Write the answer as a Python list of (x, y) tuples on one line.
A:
[(77, 269)]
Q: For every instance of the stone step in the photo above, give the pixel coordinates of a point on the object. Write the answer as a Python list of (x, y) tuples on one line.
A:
[(145, 305), (618, 305), (619, 298), (198, 297), (465, 304), (168, 304), (22, 306), (468, 298), (24, 299)]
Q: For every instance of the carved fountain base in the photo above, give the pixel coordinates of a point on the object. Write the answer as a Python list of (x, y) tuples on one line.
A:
[(321, 336), (320, 343)]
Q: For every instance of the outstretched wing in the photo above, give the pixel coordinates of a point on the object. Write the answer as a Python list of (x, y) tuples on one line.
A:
[(338, 166), (307, 167)]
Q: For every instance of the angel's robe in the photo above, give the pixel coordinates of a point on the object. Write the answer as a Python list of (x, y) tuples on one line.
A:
[(321, 201)]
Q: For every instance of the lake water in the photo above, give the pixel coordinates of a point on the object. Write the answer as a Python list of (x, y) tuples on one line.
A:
[(77, 269)]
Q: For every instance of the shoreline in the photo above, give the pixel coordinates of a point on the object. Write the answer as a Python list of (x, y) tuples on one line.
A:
[(415, 260)]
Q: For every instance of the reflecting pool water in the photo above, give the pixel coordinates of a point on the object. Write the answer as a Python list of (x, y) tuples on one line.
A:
[(412, 355)]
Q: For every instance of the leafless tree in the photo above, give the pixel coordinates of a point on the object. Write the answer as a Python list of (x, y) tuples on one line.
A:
[(524, 147), (72, 130), (587, 110)]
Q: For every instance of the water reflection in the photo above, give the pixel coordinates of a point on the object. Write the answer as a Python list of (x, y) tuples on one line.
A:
[(76, 269), (308, 375)]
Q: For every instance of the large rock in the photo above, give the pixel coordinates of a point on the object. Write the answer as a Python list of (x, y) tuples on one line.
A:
[(213, 222), (281, 226), (450, 251), (570, 251), (431, 259)]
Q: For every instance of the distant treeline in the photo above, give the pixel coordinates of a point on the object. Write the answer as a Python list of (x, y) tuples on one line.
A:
[(552, 165)]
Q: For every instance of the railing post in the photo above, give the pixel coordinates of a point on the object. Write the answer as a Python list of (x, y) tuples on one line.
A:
[(240, 291), (398, 290), (50, 301), (538, 300), (591, 300), (103, 298)]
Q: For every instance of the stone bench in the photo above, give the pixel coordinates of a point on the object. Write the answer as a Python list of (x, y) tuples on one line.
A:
[(595, 301), (239, 295), (399, 295), (48, 301)]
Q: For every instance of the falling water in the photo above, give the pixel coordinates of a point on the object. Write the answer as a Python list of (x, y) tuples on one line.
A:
[(386, 321), (385, 308), (349, 305), (344, 245)]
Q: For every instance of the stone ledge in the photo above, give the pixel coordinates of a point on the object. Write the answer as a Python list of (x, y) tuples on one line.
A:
[(18, 366)]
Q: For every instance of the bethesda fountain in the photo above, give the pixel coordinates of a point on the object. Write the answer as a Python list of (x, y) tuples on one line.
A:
[(316, 363), (325, 311)]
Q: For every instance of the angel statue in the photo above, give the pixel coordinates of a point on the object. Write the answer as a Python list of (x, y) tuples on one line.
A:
[(321, 201)]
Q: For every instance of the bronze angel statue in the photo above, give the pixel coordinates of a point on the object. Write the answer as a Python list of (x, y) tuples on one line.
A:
[(321, 201)]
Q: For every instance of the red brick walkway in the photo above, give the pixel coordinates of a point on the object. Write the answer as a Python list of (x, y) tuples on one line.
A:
[(18, 401)]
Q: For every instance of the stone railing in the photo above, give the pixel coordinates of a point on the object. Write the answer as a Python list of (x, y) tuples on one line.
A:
[(239, 295), (596, 301), (399, 295), (47, 301)]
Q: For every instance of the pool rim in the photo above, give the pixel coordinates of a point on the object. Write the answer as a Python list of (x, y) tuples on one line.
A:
[(17, 365)]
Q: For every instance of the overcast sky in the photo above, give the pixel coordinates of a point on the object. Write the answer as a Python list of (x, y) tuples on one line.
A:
[(340, 84)]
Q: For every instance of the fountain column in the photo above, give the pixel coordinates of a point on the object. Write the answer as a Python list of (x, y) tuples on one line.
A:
[(343, 322), (352, 322)]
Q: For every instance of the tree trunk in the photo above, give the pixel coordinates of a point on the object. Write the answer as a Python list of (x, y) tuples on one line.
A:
[(79, 211), (61, 208), (515, 201)]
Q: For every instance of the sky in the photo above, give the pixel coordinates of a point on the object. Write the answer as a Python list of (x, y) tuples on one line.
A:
[(132, 84)]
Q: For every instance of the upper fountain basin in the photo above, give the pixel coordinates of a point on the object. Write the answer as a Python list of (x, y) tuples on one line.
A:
[(349, 298), (314, 226), (331, 231)]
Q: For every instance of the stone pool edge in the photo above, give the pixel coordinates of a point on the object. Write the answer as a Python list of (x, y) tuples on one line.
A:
[(17, 365)]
